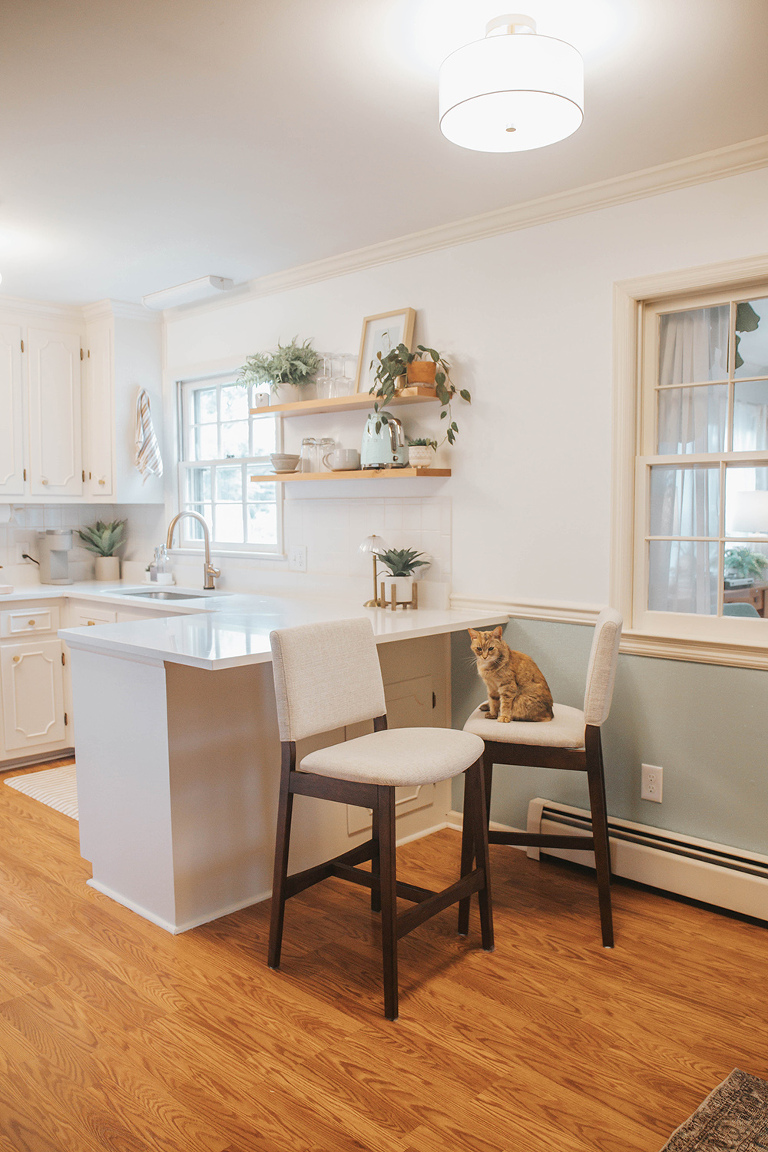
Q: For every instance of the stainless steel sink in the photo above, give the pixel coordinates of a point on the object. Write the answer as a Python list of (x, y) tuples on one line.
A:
[(162, 594)]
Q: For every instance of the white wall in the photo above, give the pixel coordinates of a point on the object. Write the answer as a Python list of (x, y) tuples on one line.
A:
[(526, 317)]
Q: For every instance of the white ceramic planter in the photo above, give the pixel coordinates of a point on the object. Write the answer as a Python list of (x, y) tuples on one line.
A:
[(403, 587), (421, 456), (292, 393), (107, 568)]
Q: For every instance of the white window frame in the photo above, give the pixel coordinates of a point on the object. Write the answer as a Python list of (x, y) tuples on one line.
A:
[(681, 636), (251, 465)]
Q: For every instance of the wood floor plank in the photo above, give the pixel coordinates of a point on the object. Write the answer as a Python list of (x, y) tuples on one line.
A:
[(115, 1035)]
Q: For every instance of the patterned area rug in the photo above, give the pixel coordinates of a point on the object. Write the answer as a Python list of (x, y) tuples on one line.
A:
[(733, 1118), (56, 787)]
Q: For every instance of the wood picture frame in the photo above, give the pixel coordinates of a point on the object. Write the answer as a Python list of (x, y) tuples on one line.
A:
[(380, 334)]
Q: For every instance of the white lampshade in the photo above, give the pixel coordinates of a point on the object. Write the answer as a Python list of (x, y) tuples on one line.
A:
[(512, 91), (748, 513), (373, 544)]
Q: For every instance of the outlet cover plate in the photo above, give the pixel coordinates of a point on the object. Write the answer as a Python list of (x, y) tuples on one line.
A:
[(651, 782), (297, 558)]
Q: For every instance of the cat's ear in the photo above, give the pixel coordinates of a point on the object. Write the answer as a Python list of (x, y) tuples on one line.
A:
[(497, 632), (473, 635)]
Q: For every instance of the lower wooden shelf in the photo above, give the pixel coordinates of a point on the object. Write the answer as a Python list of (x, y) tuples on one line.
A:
[(360, 474)]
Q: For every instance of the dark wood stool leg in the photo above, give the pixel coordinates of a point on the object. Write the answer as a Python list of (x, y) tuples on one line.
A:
[(597, 801), (282, 846), (476, 778), (487, 771), (468, 831), (375, 864), (388, 877)]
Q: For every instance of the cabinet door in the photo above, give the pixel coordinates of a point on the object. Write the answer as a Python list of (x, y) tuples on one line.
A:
[(11, 434), (32, 682), (55, 430), (98, 413)]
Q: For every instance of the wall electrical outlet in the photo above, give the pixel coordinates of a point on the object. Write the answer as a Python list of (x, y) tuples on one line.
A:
[(297, 558), (651, 781)]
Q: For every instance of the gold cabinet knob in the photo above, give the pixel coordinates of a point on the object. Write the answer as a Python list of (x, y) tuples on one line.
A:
[(102, 481), (16, 659), (31, 623), (43, 480), (89, 623)]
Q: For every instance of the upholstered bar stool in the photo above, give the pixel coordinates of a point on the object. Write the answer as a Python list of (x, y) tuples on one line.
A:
[(572, 741), (327, 676)]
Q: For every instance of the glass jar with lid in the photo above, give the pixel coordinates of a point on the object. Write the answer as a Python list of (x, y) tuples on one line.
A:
[(308, 457)]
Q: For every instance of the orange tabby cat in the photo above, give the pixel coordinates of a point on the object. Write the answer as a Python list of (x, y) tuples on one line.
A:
[(516, 688)]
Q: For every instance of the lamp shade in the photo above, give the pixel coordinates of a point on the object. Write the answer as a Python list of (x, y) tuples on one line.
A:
[(512, 91)]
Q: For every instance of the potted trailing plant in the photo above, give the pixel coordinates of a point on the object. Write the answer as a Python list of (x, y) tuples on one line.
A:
[(104, 539), (742, 563), (401, 363), (421, 452), (287, 371), (401, 563)]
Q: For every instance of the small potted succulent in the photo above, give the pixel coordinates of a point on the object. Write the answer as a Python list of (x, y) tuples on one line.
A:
[(421, 452), (401, 366), (288, 371), (104, 539), (401, 563)]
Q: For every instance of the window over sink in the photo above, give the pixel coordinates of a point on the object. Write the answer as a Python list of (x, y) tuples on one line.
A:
[(221, 445)]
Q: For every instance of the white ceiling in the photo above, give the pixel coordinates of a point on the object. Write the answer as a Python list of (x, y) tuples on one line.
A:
[(150, 142)]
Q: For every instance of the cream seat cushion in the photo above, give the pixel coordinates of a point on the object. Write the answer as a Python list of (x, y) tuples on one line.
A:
[(397, 756), (566, 730)]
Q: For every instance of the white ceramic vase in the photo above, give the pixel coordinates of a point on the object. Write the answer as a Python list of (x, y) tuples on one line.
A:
[(421, 456), (107, 568), (403, 587)]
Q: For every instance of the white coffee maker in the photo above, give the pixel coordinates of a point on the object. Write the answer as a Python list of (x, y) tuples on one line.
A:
[(54, 546)]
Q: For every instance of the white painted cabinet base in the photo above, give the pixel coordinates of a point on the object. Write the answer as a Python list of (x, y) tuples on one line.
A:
[(178, 775), (32, 681)]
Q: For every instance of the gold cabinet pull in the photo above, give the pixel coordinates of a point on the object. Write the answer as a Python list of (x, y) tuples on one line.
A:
[(31, 623), (89, 623)]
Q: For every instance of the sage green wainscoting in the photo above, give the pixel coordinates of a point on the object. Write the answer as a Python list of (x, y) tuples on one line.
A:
[(706, 725)]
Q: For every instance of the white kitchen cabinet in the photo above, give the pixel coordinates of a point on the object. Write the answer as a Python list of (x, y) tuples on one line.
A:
[(12, 476), (32, 688), (55, 413), (122, 355)]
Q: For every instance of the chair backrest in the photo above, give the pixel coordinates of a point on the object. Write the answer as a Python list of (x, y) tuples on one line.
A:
[(740, 609), (601, 671), (326, 676)]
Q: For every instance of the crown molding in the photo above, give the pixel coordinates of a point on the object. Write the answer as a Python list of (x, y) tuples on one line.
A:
[(45, 309), (120, 309), (733, 160)]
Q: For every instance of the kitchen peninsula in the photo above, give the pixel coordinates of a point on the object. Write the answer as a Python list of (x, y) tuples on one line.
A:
[(178, 751)]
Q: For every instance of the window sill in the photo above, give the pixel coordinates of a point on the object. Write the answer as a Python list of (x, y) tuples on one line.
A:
[(748, 655), (229, 554)]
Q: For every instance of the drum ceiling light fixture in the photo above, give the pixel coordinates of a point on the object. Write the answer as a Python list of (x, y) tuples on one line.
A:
[(513, 90)]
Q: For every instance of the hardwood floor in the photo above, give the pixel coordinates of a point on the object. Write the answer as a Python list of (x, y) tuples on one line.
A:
[(116, 1035)]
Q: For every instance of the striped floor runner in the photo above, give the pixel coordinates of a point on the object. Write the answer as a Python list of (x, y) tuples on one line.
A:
[(56, 787)]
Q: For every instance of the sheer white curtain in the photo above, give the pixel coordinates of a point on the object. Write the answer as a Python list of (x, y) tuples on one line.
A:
[(684, 501)]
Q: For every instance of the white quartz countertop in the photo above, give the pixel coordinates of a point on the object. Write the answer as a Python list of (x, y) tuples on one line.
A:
[(228, 630)]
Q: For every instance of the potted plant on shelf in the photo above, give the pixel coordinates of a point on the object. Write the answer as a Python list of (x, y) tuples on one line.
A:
[(401, 364), (401, 563), (421, 452), (104, 539), (288, 371), (742, 563)]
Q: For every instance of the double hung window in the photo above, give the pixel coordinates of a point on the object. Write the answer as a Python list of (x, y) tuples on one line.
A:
[(221, 446), (701, 479)]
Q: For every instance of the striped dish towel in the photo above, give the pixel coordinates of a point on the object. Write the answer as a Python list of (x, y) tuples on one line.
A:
[(148, 459)]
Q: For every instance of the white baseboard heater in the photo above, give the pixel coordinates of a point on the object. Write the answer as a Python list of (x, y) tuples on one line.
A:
[(717, 874)]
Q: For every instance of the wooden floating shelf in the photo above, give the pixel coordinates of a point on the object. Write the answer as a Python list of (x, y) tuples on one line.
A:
[(359, 400), (360, 474)]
